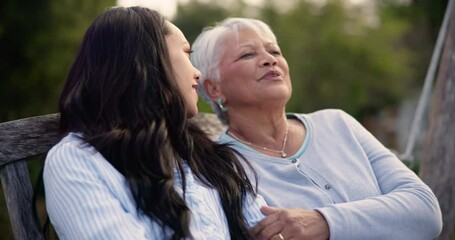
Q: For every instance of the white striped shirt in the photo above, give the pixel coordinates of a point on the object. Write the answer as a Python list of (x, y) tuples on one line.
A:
[(87, 198)]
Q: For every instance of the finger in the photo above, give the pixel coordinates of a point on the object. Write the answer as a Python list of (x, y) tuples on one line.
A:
[(267, 210), (270, 232), (264, 223)]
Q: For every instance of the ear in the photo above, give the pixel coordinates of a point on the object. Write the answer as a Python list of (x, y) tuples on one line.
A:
[(213, 89)]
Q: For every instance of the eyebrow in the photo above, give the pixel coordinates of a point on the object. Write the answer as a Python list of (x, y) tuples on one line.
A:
[(267, 44), (247, 45)]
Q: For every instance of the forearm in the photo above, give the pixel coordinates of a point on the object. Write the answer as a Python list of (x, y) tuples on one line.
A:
[(405, 209), (412, 214)]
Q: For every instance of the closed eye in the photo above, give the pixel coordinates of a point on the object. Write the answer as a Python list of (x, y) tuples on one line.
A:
[(247, 55), (189, 52), (275, 52)]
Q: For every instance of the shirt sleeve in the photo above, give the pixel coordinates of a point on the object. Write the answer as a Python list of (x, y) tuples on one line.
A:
[(407, 208), (79, 202), (252, 209)]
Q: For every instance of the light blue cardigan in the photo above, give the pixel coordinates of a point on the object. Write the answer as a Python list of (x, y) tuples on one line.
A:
[(342, 171)]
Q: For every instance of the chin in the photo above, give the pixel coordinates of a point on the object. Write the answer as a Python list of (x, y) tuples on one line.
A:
[(192, 112)]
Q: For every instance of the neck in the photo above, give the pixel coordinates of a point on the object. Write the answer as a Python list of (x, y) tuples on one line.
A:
[(262, 128), (281, 151), (264, 122)]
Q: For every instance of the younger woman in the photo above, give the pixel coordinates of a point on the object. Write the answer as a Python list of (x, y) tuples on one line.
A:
[(130, 164)]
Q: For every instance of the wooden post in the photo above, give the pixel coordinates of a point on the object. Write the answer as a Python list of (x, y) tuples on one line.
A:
[(18, 197), (437, 168)]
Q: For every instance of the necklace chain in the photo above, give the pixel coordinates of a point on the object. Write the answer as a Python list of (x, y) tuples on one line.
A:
[(283, 146)]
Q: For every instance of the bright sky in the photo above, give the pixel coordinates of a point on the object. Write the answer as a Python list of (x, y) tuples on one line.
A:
[(165, 7), (169, 7)]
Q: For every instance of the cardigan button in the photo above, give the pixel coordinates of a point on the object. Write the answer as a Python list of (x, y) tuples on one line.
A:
[(327, 186)]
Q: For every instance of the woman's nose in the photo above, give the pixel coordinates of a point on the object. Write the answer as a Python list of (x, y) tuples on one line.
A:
[(268, 60), (197, 74)]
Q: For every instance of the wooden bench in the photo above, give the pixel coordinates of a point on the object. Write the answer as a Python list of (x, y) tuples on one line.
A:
[(28, 137)]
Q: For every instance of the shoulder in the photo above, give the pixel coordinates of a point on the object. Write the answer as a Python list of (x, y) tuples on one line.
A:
[(328, 114), (71, 146), (70, 154), (330, 122), (332, 117)]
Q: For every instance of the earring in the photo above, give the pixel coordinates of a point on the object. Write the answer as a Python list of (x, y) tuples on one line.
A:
[(220, 105)]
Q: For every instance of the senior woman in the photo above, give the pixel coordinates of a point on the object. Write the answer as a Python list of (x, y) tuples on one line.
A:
[(324, 174)]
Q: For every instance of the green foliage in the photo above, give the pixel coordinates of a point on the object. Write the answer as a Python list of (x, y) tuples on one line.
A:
[(338, 61), (425, 18), (337, 58), (194, 16), (38, 42)]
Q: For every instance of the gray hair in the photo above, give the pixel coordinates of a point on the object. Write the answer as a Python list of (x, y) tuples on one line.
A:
[(207, 50)]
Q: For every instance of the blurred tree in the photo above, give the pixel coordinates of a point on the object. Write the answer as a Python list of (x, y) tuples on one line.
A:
[(194, 16), (38, 41), (425, 18), (437, 165)]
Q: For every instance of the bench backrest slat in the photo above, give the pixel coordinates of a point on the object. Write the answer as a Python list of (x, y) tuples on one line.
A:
[(27, 137)]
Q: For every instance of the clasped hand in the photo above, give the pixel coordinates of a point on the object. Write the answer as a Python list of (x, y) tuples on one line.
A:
[(293, 223)]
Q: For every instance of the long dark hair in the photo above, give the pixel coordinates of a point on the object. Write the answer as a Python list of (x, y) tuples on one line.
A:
[(121, 94)]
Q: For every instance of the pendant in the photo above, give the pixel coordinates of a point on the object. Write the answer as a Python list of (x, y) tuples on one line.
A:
[(283, 154)]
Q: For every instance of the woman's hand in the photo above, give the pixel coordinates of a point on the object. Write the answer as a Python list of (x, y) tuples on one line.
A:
[(294, 223)]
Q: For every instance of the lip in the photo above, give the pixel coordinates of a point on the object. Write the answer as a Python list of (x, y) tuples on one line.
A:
[(194, 86), (272, 75)]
